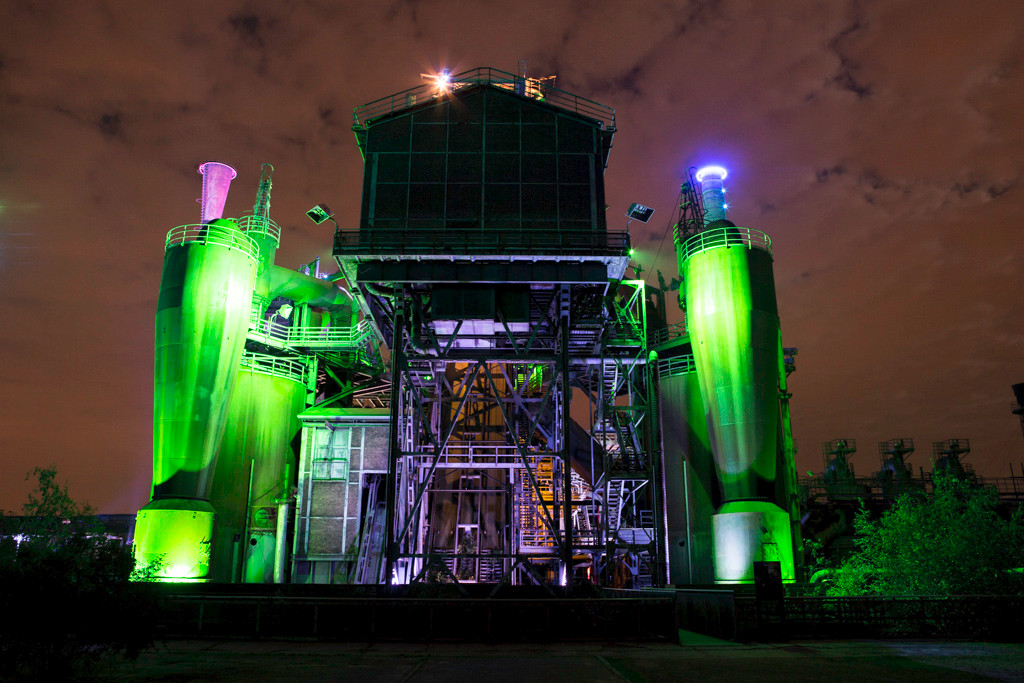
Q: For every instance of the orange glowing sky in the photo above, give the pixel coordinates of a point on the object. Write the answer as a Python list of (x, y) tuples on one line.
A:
[(879, 143)]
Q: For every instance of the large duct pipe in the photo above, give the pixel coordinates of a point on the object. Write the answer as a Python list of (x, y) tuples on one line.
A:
[(306, 289)]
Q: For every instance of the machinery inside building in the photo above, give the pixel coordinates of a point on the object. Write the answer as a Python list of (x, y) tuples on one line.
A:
[(479, 393)]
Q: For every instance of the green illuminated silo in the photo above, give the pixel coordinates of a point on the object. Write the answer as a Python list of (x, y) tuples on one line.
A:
[(691, 487), (733, 321), (201, 323), (255, 465)]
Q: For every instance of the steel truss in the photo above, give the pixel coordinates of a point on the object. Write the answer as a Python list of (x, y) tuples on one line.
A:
[(490, 477)]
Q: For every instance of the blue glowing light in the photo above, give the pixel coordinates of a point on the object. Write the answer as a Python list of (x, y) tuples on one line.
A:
[(711, 171)]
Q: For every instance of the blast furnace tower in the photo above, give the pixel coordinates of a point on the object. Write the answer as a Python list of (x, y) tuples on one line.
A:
[(473, 396), (523, 432)]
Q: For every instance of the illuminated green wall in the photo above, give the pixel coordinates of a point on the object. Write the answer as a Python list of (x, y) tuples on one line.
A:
[(734, 329), (691, 486), (262, 421), (201, 323), (749, 531), (174, 538), (733, 321)]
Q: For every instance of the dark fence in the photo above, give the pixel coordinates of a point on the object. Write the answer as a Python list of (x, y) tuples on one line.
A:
[(708, 611), (418, 619), (987, 617)]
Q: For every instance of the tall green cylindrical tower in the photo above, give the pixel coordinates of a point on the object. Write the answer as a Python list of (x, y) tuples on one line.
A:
[(733, 322), (201, 323)]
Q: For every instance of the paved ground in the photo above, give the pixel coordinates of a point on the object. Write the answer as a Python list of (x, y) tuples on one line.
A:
[(698, 659)]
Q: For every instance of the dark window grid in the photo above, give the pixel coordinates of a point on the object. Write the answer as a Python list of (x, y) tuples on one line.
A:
[(427, 131)]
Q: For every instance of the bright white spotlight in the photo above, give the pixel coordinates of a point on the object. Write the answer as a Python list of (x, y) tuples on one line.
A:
[(442, 80)]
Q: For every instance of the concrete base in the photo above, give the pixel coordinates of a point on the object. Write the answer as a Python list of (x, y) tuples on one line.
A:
[(174, 537), (751, 531)]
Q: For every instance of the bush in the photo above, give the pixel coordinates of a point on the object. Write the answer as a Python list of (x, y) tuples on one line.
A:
[(949, 542), (66, 593)]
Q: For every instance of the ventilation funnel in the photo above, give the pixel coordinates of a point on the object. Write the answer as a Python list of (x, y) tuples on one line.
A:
[(217, 179)]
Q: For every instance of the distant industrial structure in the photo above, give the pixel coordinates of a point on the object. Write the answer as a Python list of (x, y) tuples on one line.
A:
[(479, 393)]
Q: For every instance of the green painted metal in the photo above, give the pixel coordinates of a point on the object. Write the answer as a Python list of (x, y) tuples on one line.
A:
[(733, 321), (201, 322), (261, 423), (749, 531), (174, 538), (734, 329)]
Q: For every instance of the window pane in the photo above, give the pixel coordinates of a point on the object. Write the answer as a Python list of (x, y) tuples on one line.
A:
[(502, 138), (427, 168), (429, 137), (339, 469), (502, 168)]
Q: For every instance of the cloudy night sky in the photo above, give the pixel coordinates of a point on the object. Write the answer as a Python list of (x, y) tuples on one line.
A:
[(879, 143)]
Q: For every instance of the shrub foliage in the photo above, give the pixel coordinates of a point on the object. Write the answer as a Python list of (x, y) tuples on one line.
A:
[(65, 589), (949, 542)]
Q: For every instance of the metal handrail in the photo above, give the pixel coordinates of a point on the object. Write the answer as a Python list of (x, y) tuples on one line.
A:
[(364, 114), (309, 337), (275, 366), (717, 238), (455, 241), (680, 365), (664, 334), (220, 235), (259, 225)]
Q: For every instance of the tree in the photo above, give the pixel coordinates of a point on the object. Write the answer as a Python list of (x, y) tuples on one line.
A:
[(949, 542), (66, 589)]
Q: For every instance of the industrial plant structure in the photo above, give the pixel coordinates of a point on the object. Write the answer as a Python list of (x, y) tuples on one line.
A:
[(479, 393)]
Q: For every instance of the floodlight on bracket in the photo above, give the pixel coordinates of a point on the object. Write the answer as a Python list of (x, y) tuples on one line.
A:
[(320, 213), (639, 212)]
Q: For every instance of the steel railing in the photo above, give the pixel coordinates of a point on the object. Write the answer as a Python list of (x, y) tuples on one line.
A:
[(220, 235), (364, 114), (275, 366), (680, 365), (717, 238), (258, 225), (456, 241), (341, 337), (665, 334)]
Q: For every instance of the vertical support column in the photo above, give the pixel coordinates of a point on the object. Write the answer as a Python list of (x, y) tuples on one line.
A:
[(657, 476), (394, 445), (563, 359), (788, 464)]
